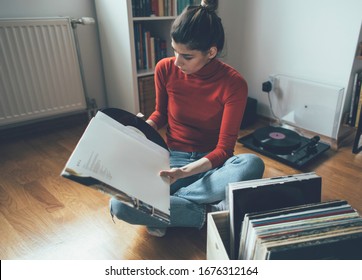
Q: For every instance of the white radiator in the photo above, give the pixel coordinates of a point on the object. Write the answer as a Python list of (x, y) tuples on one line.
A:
[(39, 70)]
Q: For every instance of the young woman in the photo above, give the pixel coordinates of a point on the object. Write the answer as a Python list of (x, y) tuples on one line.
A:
[(201, 101)]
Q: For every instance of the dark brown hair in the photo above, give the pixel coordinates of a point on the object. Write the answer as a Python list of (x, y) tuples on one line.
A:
[(199, 27)]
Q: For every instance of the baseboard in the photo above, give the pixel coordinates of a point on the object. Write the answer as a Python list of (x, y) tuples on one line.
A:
[(42, 126)]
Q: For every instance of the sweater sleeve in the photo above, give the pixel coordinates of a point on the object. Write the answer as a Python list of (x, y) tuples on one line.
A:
[(159, 116), (235, 103)]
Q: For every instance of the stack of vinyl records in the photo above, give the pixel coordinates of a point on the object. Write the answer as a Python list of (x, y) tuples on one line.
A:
[(324, 230)]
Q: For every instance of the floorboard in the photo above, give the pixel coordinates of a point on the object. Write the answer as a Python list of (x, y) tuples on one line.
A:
[(44, 216)]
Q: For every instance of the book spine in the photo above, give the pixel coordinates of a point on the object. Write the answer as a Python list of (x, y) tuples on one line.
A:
[(355, 98), (352, 99), (163, 49), (153, 55), (146, 49), (142, 46), (359, 115), (137, 45), (149, 50), (154, 8), (161, 8)]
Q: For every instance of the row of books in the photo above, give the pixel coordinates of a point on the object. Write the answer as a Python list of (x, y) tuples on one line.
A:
[(181, 4), (356, 101), (160, 8), (149, 49), (324, 230), (147, 8)]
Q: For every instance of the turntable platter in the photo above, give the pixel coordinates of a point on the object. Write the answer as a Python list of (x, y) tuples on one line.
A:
[(277, 139)]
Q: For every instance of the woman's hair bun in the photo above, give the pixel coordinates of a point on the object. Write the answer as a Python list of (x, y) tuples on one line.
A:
[(211, 5)]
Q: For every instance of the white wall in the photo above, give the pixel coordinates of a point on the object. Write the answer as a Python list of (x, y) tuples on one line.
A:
[(310, 39), (118, 54), (88, 35)]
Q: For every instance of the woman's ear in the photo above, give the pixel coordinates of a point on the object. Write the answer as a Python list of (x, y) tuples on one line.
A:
[(212, 52)]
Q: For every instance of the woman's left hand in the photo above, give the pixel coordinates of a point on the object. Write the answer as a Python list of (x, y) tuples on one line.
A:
[(173, 174)]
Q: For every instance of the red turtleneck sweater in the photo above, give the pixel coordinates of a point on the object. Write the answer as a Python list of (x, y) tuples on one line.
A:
[(203, 110)]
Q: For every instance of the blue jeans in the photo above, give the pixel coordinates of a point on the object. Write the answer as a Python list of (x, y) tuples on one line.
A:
[(189, 196)]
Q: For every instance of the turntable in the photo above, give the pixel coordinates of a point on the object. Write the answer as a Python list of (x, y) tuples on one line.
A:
[(284, 145)]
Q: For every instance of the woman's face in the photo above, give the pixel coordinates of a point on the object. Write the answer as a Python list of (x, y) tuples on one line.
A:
[(191, 61)]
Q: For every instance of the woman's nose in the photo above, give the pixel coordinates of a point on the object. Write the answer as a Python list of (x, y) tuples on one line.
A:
[(178, 60)]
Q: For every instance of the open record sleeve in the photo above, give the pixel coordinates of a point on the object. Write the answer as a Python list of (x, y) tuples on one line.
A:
[(120, 161)]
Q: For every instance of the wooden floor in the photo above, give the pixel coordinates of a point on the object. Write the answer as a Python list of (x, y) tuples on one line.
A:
[(44, 216)]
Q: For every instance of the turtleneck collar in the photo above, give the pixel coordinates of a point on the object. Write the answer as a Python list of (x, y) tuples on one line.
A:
[(209, 70)]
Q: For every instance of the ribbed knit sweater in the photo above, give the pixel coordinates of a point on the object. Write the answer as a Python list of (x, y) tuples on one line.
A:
[(203, 111)]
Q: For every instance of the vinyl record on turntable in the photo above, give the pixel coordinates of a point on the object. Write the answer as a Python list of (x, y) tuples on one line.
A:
[(284, 145), (136, 123), (277, 139)]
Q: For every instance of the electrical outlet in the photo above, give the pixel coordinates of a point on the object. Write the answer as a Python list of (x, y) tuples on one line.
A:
[(267, 86)]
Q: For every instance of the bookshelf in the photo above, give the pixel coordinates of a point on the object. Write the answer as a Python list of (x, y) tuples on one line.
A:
[(357, 100), (352, 122), (119, 25)]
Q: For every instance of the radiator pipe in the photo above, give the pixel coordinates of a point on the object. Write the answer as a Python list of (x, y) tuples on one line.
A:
[(91, 102)]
